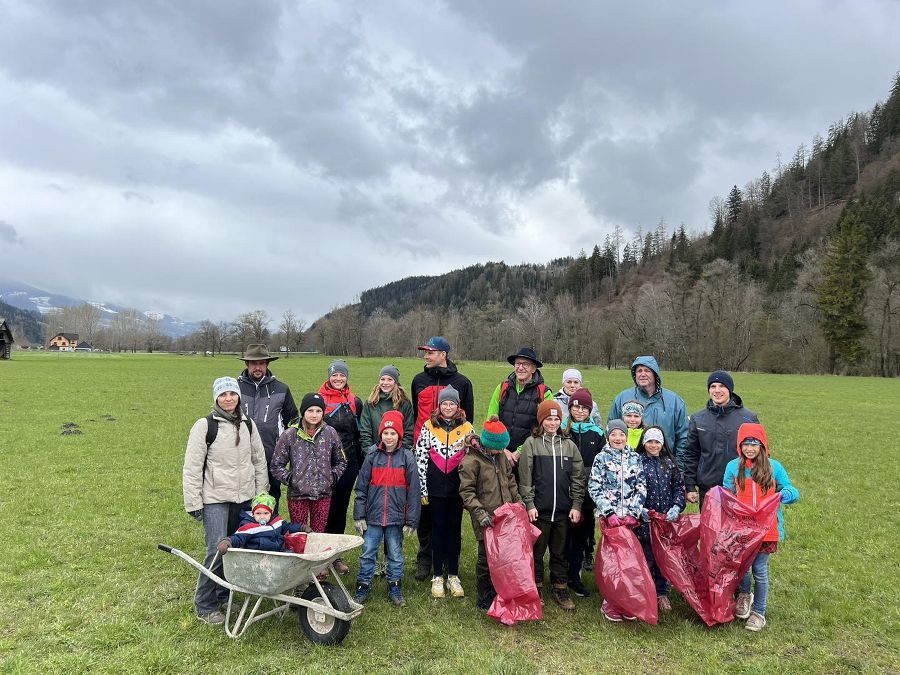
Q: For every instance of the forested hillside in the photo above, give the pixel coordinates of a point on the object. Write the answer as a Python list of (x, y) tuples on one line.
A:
[(798, 271), (25, 325)]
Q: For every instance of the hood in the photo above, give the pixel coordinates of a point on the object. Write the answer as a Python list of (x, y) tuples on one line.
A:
[(650, 362), (749, 429), (441, 371)]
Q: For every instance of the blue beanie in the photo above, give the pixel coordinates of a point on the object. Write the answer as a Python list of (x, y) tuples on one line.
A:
[(722, 378)]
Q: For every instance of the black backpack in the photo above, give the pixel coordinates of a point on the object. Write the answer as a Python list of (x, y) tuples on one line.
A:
[(212, 430)]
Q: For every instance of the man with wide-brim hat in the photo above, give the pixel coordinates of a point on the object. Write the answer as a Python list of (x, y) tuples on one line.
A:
[(267, 402), (516, 399)]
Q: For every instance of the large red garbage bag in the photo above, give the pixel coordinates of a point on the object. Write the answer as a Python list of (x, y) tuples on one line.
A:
[(510, 552), (729, 534), (623, 575)]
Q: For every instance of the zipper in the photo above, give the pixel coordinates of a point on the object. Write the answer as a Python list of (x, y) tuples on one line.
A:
[(622, 484), (384, 517), (553, 457)]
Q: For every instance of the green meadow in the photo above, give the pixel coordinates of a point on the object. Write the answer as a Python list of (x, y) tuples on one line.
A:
[(83, 587)]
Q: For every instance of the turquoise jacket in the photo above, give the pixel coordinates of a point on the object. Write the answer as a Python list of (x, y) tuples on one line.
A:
[(782, 482)]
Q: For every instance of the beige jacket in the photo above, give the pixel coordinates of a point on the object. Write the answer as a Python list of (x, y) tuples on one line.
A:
[(234, 473)]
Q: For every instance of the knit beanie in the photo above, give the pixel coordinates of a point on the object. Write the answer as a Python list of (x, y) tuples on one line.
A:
[(612, 425), (448, 393), (583, 398), (310, 400), (223, 384), (263, 501), (721, 377), (653, 434), (391, 371), (548, 408), (632, 407), (494, 434), (572, 374), (392, 419), (338, 366)]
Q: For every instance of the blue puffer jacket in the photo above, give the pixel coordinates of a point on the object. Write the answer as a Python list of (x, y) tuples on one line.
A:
[(664, 408), (617, 485), (268, 537), (387, 490)]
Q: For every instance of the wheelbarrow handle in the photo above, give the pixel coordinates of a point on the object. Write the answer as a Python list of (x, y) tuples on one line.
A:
[(163, 547)]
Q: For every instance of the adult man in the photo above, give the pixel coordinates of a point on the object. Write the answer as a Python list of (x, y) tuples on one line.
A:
[(267, 402), (662, 407), (439, 372), (712, 436), (516, 399)]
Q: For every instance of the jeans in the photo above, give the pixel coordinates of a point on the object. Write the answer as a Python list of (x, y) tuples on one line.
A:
[(760, 572), (446, 534), (219, 520), (393, 539), (643, 535)]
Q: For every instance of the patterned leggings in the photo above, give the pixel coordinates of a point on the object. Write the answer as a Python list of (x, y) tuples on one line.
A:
[(316, 510)]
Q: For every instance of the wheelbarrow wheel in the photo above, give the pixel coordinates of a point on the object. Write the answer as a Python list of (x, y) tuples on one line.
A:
[(320, 627)]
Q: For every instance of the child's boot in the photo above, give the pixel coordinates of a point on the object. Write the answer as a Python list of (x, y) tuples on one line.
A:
[(362, 592), (561, 597), (437, 587), (663, 603), (742, 608), (395, 595), (756, 622), (455, 586)]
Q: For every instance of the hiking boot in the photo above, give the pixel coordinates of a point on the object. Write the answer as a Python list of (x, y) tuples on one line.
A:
[(455, 587), (663, 603), (579, 589), (437, 587), (609, 612), (395, 595), (756, 622), (423, 570), (216, 617), (742, 609), (341, 567), (561, 597), (363, 591), (485, 603), (380, 567)]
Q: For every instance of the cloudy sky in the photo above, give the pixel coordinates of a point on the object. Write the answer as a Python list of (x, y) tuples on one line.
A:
[(206, 158)]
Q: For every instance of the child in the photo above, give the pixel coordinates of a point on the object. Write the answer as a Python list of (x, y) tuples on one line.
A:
[(551, 483), (665, 494), (259, 530), (387, 394), (589, 440), (572, 382), (751, 477), (387, 507), (313, 449), (486, 483), (439, 452), (633, 416), (618, 488)]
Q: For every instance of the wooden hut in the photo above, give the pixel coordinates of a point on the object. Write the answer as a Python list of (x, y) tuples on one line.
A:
[(6, 340)]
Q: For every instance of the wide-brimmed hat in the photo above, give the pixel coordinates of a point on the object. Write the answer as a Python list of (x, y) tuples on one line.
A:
[(257, 353), (525, 353)]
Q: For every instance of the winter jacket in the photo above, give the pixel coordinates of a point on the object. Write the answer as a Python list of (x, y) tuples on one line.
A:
[(370, 420), (616, 484), (224, 472), (712, 442), (270, 404), (387, 491), (589, 440), (517, 407), (317, 462), (342, 410), (486, 483), (268, 537), (439, 452), (752, 494), (665, 489), (664, 408), (551, 476), (428, 384), (563, 399)]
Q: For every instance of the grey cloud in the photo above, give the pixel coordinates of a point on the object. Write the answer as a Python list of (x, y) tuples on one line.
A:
[(8, 234)]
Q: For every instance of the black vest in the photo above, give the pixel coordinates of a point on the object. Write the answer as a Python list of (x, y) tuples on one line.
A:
[(519, 411)]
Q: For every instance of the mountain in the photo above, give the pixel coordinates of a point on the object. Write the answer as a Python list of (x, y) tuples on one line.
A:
[(32, 299), (25, 324)]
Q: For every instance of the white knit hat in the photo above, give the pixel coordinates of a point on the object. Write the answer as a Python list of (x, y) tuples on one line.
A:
[(223, 384), (572, 374)]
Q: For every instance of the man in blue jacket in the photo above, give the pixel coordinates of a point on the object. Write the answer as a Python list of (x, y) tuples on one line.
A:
[(662, 407)]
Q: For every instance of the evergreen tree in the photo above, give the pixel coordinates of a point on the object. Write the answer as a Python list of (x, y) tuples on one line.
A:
[(734, 205), (890, 121)]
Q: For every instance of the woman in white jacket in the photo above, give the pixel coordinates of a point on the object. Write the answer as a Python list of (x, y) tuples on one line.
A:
[(224, 468)]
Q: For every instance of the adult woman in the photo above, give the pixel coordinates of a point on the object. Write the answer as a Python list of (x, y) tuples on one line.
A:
[(224, 468), (342, 410), (388, 394)]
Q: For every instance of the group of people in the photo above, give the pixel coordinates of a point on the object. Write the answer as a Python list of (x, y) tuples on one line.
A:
[(416, 463)]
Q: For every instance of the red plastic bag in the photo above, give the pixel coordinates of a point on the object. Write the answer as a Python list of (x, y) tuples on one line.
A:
[(677, 554), (295, 542), (509, 545), (623, 575)]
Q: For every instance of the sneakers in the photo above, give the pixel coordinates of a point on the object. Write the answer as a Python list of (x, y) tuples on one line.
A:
[(437, 587), (756, 622), (216, 617), (744, 601), (380, 567), (560, 596), (609, 612), (395, 595), (341, 567), (663, 603), (423, 570), (455, 587), (363, 591), (579, 589)]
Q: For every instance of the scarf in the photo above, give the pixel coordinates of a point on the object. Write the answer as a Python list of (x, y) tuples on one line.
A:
[(334, 398), (587, 425), (234, 418)]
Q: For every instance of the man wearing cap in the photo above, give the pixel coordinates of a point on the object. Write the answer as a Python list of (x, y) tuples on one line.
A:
[(712, 436), (267, 402), (439, 372), (516, 399)]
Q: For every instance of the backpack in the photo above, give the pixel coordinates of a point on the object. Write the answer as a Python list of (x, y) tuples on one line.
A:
[(212, 430), (504, 390)]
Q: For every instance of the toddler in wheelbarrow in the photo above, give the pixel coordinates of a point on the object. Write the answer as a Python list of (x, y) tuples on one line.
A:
[(261, 532)]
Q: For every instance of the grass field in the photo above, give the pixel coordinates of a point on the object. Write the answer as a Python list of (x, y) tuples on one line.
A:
[(84, 589)]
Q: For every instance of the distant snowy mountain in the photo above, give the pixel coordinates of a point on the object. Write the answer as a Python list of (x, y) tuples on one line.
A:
[(28, 297)]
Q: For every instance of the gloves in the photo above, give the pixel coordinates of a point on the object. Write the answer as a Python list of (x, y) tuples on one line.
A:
[(424, 501), (487, 521), (645, 515), (673, 513), (613, 521), (630, 521), (360, 525), (224, 545), (408, 530), (196, 515)]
